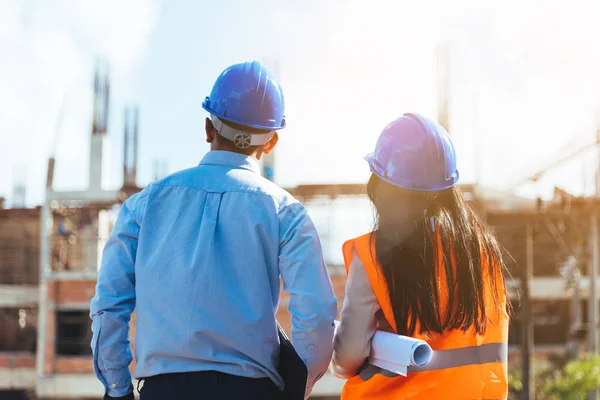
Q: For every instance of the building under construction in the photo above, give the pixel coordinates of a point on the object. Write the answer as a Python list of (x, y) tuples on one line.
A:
[(49, 259)]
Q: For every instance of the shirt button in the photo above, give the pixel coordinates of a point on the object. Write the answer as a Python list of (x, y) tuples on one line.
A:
[(114, 385)]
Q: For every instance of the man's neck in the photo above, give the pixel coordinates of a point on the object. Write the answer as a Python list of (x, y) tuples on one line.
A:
[(254, 155)]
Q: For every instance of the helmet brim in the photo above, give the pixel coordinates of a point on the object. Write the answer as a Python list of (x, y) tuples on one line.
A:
[(373, 166)]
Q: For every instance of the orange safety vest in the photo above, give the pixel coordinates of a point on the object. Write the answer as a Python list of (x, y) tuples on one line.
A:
[(464, 366)]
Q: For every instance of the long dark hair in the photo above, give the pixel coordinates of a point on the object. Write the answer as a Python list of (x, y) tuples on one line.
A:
[(408, 226)]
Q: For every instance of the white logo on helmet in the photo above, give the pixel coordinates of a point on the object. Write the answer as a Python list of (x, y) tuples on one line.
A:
[(242, 140)]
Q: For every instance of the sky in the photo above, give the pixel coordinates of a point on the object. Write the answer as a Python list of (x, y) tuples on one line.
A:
[(524, 83)]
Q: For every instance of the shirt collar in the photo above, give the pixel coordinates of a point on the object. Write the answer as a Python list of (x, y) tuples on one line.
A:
[(222, 157)]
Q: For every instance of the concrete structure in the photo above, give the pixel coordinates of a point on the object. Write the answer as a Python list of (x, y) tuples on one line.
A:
[(62, 366)]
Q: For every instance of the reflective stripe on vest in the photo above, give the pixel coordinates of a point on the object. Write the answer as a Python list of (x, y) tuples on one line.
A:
[(453, 358)]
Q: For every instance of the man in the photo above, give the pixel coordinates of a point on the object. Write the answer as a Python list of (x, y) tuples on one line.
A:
[(200, 253), (66, 239)]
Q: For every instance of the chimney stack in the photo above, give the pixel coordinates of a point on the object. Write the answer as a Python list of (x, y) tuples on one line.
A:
[(130, 147), (135, 145), (99, 144), (125, 150)]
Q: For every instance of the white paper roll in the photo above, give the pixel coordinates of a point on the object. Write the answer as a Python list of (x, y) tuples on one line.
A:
[(395, 353)]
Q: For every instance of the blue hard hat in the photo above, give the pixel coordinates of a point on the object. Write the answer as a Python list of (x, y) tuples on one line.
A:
[(415, 152), (247, 94)]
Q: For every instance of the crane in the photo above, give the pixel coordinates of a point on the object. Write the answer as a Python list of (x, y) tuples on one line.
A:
[(535, 177)]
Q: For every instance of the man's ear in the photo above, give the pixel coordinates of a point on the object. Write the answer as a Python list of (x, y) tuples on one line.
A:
[(270, 145), (211, 132)]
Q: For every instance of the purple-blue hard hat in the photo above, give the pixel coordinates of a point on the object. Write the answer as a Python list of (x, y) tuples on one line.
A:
[(416, 153), (248, 94)]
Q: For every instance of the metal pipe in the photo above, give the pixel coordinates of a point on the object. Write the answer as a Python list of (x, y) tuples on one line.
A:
[(593, 284), (45, 226), (527, 344), (593, 299)]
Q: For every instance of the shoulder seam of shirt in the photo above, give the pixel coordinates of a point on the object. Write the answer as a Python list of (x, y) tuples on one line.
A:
[(130, 211), (278, 198), (143, 195), (146, 194)]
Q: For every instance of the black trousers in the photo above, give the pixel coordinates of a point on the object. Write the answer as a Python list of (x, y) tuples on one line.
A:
[(208, 385)]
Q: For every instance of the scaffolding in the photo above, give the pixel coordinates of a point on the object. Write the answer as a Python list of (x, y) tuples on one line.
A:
[(19, 246)]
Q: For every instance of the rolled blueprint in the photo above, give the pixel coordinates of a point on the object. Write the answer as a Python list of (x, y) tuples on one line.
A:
[(395, 353)]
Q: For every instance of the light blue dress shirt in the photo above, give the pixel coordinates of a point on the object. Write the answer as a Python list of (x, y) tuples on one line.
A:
[(199, 256)]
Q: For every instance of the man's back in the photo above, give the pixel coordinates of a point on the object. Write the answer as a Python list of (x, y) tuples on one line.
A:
[(212, 242), (207, 276)]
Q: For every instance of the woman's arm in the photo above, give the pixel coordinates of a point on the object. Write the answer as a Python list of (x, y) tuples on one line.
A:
[(358, 323)]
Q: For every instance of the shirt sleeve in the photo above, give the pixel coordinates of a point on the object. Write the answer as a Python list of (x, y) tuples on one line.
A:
[(111, 307), (358, 323), (313, 304)]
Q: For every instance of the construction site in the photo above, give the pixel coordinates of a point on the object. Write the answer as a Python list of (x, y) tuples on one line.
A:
[(50, 256)]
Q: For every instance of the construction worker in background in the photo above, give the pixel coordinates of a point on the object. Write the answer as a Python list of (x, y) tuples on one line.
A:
[(200, 254), (430, 269), (66, 240)]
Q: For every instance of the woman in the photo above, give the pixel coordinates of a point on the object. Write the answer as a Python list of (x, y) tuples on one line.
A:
[(430, 269)]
